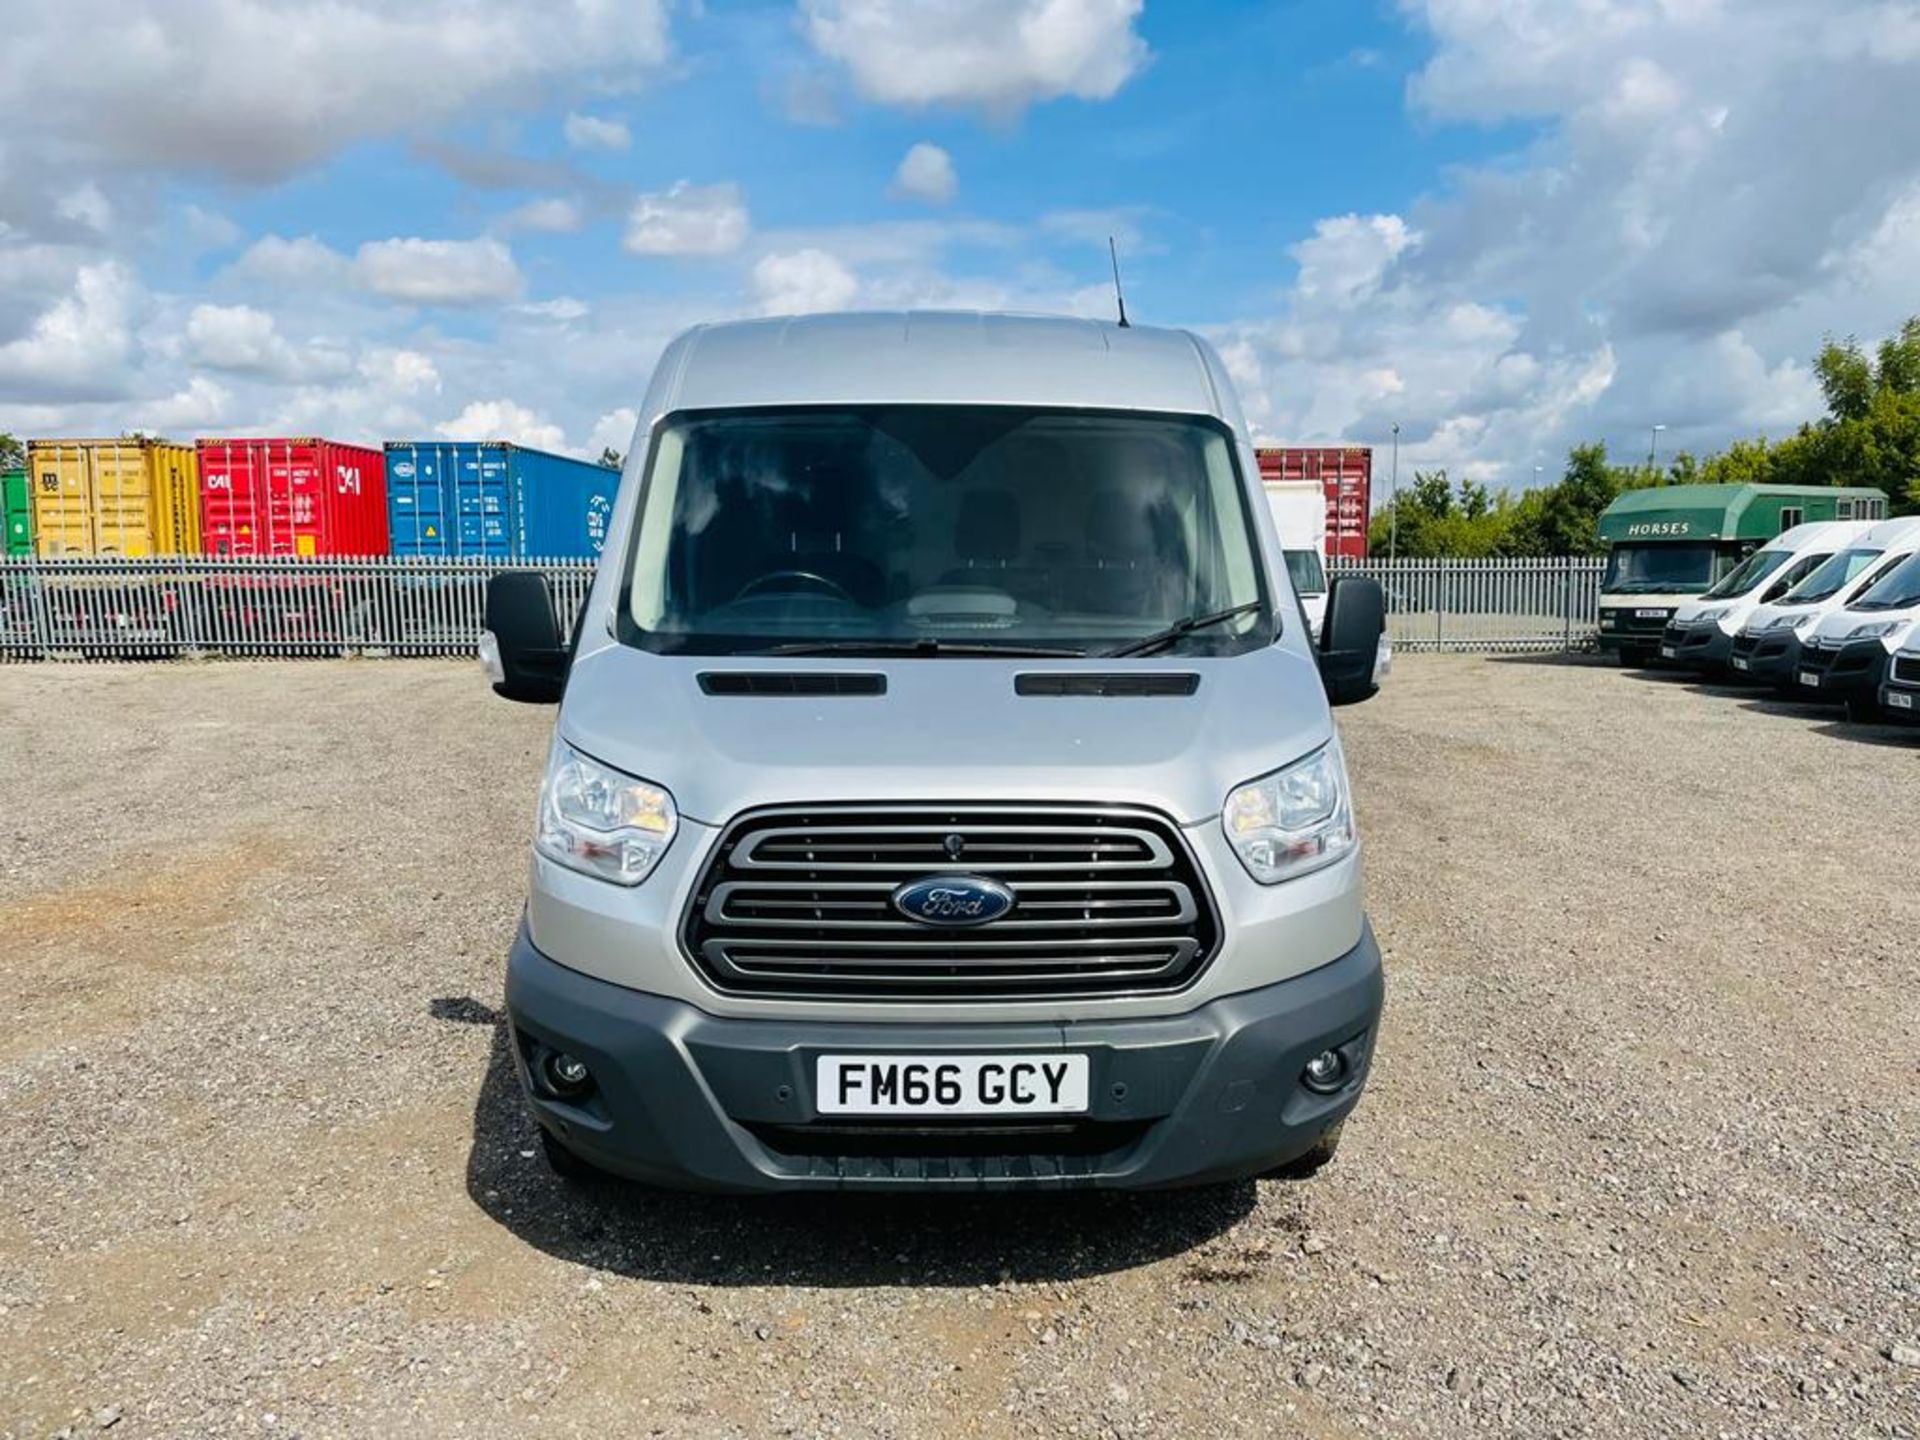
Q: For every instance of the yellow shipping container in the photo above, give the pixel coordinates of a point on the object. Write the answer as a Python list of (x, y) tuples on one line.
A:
[(114, 497)]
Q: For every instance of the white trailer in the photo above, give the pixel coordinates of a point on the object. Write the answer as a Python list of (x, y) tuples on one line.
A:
[(1300, 514)]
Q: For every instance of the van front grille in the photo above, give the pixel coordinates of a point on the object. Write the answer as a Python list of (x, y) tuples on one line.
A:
[(1906, 669), (799, 903)]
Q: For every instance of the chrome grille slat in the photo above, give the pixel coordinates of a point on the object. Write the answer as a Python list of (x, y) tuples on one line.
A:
[(1107, 900)]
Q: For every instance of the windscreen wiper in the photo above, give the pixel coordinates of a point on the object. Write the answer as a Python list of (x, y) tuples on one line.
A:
[(926, 646), (1160, 639)]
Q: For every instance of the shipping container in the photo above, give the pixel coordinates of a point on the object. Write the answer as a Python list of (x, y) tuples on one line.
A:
[(495, 499), (1344, 472), (16, 510), (292, 497), (130, 497)]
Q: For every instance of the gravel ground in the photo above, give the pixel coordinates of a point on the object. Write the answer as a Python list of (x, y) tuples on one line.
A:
[(1639, 1155)]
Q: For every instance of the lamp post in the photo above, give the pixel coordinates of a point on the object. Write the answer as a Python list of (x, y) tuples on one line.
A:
[(1393, 502), (1653, 445)]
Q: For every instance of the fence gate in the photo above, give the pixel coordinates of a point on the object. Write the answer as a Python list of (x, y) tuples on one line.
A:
[(99, 608), (1545, 604)]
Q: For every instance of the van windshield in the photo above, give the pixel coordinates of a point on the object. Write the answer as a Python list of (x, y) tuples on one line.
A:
[(1746, 577), (1831, 578), (1898, 589), (1652, 569), (1309, 576), (921, 529)]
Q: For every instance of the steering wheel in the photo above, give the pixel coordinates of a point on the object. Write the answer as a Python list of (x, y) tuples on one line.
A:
[(806, 578)]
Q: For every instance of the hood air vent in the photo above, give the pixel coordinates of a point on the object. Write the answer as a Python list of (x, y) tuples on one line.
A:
[(790, 682), (1068, 682)]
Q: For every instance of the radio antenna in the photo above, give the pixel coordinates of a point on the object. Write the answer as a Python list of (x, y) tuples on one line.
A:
[(1119, 295)]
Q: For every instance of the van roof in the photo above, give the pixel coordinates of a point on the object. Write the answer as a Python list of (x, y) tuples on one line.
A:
[(1818, 532), (941, 357), (1888, 533)]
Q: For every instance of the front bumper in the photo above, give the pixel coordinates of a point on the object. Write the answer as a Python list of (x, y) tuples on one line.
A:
[(1698, 647), (1900, 693), (1633, 629), (695, 1101), (1770, 658), (1835, 674)]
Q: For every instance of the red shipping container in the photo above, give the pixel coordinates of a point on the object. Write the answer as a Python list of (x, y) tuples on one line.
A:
[(1345, 472), (292, 497)]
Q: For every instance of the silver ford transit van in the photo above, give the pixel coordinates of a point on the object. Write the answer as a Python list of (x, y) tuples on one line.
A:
[(944, 791)]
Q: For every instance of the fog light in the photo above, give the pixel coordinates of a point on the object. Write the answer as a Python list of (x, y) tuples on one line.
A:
[(1325, 1072), (567, 1075)]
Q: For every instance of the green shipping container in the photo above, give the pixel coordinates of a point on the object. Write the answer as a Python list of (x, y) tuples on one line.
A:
[(16, 509)]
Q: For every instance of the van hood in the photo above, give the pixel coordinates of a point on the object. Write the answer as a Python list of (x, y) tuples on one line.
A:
[(945, 729), (1763, 616), (1838, 626)]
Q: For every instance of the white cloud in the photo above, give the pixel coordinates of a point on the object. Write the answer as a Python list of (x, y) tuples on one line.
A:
[(562, 308), (202, 405), (926, 173), (613, 431), (79, 346), (688, 219), (409, 269), (296, 84), (86, 204), (438, 272), (1000, 55), (399, 371), (802, 282), (595, 132), (504, 420), (551, 214), (209, 229), (304, 260), (1348, 255), (246, 340)]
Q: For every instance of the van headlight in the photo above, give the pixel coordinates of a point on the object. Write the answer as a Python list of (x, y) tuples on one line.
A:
[(1295, 820), (1792, 622), (1879, 630), (1711, 616), (598, 821)]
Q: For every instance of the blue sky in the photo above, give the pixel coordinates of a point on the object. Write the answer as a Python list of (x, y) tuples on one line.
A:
[(1505, 225)]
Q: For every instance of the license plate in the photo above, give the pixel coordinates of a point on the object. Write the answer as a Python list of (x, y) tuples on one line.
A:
[(1051, 1084), (1740, 663), (1650, 614), (1667, 652), (1899, 701), (1807, 677)]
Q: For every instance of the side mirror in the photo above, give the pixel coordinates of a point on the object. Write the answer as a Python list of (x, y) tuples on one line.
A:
[(522, 648), (1350, 638)]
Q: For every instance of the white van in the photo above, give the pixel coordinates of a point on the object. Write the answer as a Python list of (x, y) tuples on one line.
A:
[(1767, 648), (1700, 635), (1900, 694), (944, 792), (1300, 515), (1847, 655)]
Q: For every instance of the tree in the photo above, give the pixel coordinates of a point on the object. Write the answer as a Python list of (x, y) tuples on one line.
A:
[(1684, 469), (611, 458), (13, 455), (1435, 517), (1846, 377)]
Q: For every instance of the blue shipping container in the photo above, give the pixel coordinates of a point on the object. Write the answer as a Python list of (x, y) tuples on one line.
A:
[(495, 499)]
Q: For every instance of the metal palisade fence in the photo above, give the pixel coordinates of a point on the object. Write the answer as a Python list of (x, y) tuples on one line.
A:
[(100, 608), (1548, 603), (109, 608)]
